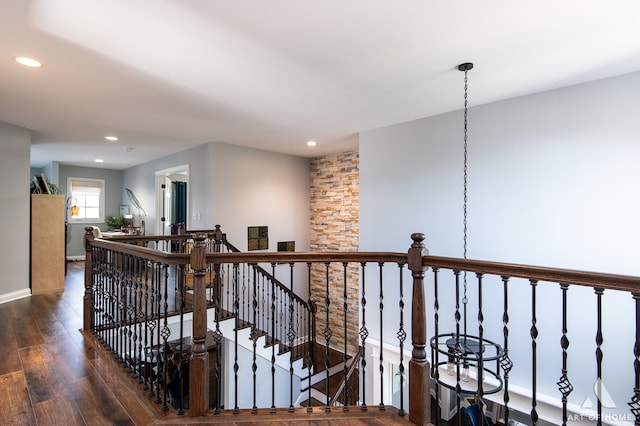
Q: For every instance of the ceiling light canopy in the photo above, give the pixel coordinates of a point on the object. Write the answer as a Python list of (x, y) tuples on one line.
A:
[(28, 62)]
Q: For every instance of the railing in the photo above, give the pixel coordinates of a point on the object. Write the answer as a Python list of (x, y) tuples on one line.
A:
[(129, 305)]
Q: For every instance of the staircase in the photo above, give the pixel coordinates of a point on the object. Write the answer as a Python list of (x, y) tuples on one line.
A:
[(322, 384)]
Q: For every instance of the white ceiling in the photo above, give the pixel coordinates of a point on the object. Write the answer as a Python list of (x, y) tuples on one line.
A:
[(167, 75)]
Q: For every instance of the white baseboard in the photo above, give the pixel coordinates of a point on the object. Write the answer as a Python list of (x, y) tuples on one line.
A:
[(4, 298), (76, 258)]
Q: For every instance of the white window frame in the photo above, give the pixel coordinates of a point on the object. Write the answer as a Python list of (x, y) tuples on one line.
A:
[(96, 183)]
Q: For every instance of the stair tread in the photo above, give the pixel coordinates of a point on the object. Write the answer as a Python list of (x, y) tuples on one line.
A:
[(314, 403), (320, 352), (334, 383)]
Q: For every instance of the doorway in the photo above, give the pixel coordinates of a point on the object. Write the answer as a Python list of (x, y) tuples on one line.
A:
[(172, 198)]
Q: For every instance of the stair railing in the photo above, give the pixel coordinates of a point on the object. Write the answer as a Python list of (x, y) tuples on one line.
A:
[(122, 280)]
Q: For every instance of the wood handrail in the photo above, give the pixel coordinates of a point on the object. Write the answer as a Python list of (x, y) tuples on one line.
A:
[(537, 273), (511, 270), (343, 384)]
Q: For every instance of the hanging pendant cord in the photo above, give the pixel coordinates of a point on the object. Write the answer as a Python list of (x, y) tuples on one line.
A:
[(465, 166), (465, 67)]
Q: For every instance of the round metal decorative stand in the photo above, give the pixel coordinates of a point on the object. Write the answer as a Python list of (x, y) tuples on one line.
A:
[(464, 352)]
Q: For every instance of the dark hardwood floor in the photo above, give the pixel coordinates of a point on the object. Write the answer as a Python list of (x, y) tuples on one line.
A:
[(51, 373)]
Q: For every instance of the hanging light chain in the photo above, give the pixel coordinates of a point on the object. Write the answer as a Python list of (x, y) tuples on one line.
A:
[(465, 67), (466, 85)]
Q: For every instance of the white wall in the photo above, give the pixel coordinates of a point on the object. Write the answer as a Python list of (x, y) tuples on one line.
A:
[(15, 204), (236, 187), (553, 181), (255, 188)]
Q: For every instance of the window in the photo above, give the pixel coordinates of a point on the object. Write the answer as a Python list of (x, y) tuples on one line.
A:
[(88, 195)]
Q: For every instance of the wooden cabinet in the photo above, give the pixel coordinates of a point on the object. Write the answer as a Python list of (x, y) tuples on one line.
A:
[(47, 243)]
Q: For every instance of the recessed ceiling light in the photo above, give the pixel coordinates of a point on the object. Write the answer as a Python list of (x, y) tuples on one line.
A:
[(311, 143), (111, 138), (28, 62), (99, 160)]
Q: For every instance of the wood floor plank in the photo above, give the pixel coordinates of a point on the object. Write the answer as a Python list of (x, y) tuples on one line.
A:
[(39, 371), (130, 394), (26, 332), (10, 362), (58, 411), (98, 404), (16, 408)]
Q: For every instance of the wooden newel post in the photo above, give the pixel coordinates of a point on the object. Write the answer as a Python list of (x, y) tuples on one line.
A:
[(199, 362), (87, 323), (419, 392)]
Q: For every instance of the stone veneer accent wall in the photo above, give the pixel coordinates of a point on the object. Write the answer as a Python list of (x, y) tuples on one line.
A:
[(335, 195)]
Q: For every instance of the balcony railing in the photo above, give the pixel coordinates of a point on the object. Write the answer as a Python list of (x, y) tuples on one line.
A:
[(226, 315)]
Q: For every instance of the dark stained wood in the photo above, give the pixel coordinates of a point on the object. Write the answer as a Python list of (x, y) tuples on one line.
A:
[(537, 273), (419, 388), (199, 362), (60, 410), (16, 407)]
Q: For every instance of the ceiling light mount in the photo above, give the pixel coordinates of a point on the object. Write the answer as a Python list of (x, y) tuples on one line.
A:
[(467, 66)]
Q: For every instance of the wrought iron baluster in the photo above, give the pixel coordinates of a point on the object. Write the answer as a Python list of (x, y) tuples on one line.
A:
[(480, 366), (291, 336), (140, 319), (435, 354), (151, 324), (363, 336), (254, 338), (381, 406), (635, 399), (327, 335), (505, 361), (236, 312), (564, 385), (166, 332), (310, 343), (263, 310), (273, 338), (158, 289), (345, 404), (131, 310), (402, 335), (146, 366), (457, 351), (217, 334), (534, 346), (599, 354), (280, 317), (245, 297), (230, 289)]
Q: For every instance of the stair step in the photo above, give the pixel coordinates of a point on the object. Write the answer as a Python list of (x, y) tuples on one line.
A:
[(334, 384), (320, 355), (314, 403)]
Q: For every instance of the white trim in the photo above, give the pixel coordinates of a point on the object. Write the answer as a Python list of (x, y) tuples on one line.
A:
[(80, 258), (101, 185), (160, 177), (9, 297)]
